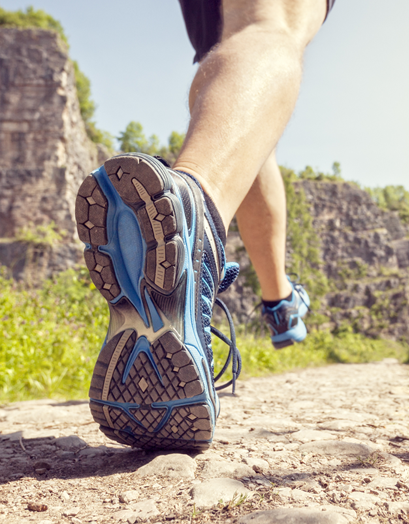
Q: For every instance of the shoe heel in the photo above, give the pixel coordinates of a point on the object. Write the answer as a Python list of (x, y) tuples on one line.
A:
[(144, 185), (134, 389)]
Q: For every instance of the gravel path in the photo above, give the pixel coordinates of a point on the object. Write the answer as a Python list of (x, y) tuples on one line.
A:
[(326, 445)]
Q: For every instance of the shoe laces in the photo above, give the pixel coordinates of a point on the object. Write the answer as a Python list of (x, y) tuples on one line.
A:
[(299, 288), (234, 354), (231, 271)]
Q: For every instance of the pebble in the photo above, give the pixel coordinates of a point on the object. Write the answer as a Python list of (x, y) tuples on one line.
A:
[(70, 442), (64, 495), (173, 465), (145, 509), (124, 515), (71, 512), (128, 496), (310, 435), (396, 507), (37, 506), (211, 492), (224, 468), (257, 464), (383, 482), (362, 501)]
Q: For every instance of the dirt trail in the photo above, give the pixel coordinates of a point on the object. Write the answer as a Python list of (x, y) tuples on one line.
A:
[(326, 445)]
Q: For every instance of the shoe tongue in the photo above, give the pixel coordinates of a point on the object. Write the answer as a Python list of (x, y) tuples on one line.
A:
[(232, 270)]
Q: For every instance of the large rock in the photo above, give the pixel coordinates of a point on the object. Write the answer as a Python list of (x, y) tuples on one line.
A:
[(44, 149)]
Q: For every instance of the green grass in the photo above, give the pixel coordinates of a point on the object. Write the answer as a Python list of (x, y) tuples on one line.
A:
[(318, 349), (50, 338)]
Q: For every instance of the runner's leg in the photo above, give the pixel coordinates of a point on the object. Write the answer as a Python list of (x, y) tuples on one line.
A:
[(261, 218), (244, 93)]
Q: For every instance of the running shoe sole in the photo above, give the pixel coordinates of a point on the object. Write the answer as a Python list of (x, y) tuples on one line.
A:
[(151, 386)]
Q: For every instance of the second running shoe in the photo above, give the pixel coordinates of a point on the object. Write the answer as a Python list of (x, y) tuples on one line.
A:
[(285, 319), (153, 252)]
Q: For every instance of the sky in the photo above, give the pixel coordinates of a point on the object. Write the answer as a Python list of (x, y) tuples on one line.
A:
[(353, 106)]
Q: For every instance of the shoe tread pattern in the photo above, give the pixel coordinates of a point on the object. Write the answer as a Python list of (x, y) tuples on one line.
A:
[(144, 188), (187, 426), (91, 213)]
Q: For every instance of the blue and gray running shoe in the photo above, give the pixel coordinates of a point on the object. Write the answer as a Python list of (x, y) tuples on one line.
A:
[(285, 319), (154, 254)]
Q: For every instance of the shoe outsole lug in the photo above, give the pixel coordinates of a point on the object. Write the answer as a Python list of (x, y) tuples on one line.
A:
[(119, 379), (284, 344)]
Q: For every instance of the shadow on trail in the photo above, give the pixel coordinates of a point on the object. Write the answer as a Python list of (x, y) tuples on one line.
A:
[(44, 458)]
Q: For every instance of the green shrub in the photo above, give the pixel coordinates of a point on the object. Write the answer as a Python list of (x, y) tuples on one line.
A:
[(392, 198), (31, 18), (49, 337)]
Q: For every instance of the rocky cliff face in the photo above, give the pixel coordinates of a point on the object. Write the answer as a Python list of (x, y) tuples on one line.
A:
[(365, 255), (44, 150)]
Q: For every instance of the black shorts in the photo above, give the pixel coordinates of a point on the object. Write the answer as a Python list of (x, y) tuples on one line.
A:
[(204, 23)]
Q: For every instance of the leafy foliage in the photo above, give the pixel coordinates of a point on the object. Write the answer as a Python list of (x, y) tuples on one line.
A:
[(40, 235), (133, 139), (31, 18), (303, 241), (392, 198), (309, 174), (87, 109), (50, 338), (318, 349)]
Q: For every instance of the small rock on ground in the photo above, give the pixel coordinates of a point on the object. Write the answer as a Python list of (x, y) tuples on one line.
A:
[(173, 465), (211, 492), (145, 509), (225, 468)]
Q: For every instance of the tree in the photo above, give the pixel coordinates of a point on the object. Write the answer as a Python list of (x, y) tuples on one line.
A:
[(133, 140), (176, 142)]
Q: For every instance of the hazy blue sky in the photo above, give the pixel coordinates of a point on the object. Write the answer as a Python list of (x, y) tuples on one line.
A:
[(354, 101)]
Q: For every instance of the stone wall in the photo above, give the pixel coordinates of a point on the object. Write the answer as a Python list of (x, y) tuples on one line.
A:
[(365, 255), (44, 150)]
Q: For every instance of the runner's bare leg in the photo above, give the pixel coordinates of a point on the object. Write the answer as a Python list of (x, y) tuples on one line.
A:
[(241, 100)]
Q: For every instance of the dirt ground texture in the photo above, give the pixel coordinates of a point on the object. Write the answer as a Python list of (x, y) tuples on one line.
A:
[(322, 445)]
